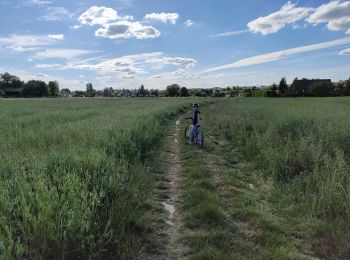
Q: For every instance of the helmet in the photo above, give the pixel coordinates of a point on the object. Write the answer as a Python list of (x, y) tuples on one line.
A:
[(195, 105)]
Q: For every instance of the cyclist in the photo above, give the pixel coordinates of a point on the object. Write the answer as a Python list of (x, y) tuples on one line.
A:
[(195, 122)]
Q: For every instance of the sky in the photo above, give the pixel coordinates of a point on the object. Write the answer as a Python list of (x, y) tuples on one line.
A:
[(194, 43)]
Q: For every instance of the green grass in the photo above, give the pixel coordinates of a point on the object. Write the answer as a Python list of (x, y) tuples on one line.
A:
[(300, 149), (75, 175)]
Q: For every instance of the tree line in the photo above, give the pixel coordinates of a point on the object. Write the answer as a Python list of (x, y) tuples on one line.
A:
[(12, 86)]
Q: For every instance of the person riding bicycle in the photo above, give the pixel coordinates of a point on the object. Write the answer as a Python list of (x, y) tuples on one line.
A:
[(195, 122)]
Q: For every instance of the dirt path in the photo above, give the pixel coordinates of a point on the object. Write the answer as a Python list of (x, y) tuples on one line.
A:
[(169, 193)]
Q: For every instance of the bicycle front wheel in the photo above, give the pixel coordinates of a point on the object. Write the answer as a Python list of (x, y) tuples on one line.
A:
[(187, 132)]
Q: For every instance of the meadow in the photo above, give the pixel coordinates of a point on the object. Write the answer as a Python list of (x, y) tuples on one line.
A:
[(301, 149), (75, 178), (79, 178)]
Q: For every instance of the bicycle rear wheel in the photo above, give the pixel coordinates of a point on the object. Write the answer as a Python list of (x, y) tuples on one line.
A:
[(200, 139)]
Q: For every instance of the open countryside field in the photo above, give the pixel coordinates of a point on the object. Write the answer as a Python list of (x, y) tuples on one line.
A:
[(114, 178), (74, 175)]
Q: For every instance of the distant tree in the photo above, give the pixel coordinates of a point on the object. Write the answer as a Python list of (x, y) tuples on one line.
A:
[(272, 92), (35, 88), (321, 89), (108, 92), (78, 93), (141, 91), (184, 92), (296, 88), (54, 88), (283, 88), (346, 91), (90, 92), (89, 87), (154, 92), (172, 90), (10, 81), (2, 93), (65, 92), (219, 93)]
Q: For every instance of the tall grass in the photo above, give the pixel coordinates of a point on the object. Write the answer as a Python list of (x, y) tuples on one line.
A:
[(75, 178), (303, 146)]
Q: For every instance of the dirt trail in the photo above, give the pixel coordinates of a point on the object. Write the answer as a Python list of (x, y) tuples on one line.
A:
[(169, 189)]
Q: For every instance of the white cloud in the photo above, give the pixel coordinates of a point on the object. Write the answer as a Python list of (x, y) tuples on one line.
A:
[(56, 14), (56, 36), (345, 52), (336, 14), (40, 75), (61, 53), (48, 66), (288, 14), (20, 48), (98, 15), (75, 27), (37, 2), (274, 56), (26, 40), (163, 17), (233, 33), (188, 23), (131, 66), (126, 29), (177, 61)]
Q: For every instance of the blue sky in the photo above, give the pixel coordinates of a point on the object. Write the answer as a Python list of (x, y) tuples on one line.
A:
[(196, 43)]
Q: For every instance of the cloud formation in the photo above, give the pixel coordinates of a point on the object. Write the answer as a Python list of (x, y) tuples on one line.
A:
[(61, 53), (56, 14), (233, 33), (98, 15), (336, 14), (26, 40), (279, 55), (56, 36), (188, 23), (126, 29), (345, 52), (163, 17), (274, 22), (131, 65)]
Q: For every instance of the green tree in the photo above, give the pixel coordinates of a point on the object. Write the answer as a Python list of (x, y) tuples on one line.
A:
[(172, 90), (283, 88), (141, 92), (272, 92), (346, 91), (321, 89), (54, 88), (90, 92), (184, 92), (35, 88), (154, 92), (10, 81)]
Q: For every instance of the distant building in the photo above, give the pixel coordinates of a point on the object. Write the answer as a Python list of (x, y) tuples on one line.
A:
[(12, 92)]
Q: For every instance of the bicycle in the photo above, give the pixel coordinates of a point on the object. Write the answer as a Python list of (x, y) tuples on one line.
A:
[(198, 138)]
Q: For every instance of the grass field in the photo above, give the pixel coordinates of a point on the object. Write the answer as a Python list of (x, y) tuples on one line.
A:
[(74, 175), (86, 178), (301, 149)]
